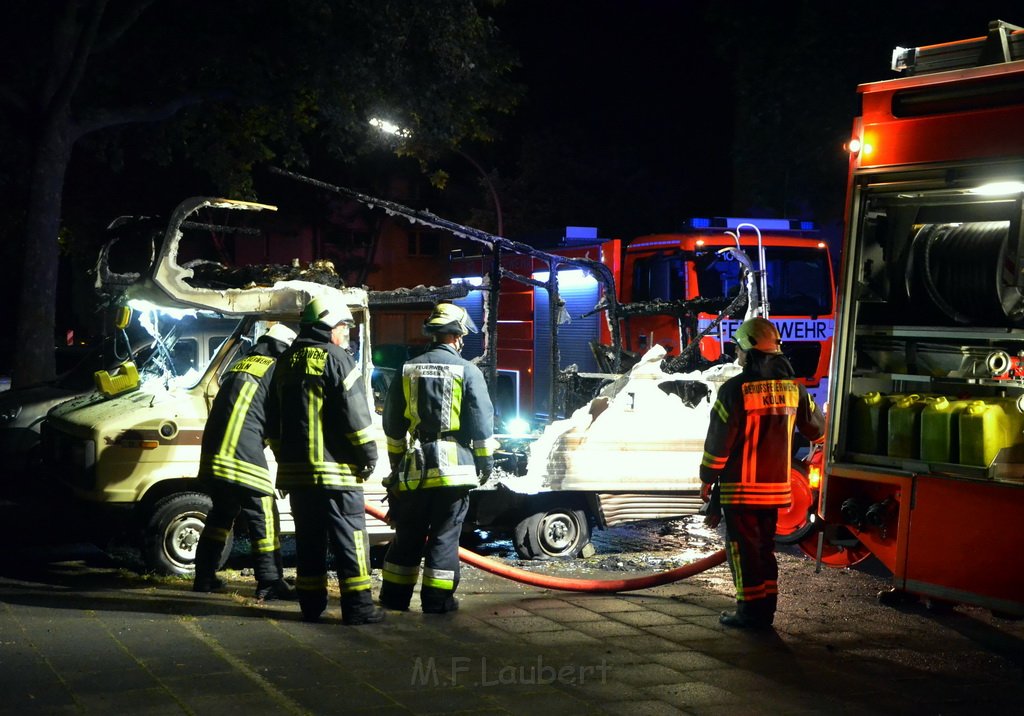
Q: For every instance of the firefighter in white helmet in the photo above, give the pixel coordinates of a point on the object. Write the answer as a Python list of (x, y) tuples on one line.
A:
[(747, 457), (233, 469), (439, 424), (326, 452)]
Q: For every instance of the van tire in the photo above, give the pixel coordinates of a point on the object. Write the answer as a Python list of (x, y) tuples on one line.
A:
[(172, 534), (557, 533)]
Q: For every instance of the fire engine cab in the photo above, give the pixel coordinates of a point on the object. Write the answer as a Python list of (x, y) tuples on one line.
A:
[(671, 288), (690, 269), (925, 464)]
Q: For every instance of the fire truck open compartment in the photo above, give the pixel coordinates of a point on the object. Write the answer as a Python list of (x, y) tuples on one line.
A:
[(935, 304), (925, 467)]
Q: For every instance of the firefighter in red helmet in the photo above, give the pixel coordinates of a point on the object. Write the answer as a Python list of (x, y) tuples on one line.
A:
[(747, 453)]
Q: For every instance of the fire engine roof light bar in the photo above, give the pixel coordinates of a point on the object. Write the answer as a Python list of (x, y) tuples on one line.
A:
[(734, 222)]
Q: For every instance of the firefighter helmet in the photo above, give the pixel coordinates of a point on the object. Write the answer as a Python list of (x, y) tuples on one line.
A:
[(449, 318), (327, 311), (280, 332), (758, 334)]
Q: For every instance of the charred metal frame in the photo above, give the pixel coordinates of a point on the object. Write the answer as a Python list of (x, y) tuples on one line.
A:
[(498, 245)]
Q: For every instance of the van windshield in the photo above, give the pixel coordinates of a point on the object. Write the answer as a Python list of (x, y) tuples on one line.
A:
[(182, 347)]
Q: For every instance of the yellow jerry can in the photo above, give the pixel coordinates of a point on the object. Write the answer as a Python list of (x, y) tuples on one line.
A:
[(987, 426)]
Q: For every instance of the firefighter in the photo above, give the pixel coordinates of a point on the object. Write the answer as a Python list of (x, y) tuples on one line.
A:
[(233, 470), (325, 454), (439, 424), (747, 457)]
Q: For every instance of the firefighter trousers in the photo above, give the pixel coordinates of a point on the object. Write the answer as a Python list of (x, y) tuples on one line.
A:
[(336, 517), (261, 519), (428, 524), (750, 549)]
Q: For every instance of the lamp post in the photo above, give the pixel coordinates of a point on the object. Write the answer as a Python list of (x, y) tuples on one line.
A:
[(490, 187), (490, 362), (393, 129)]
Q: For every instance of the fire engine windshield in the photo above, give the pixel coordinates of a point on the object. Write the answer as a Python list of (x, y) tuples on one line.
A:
[(799, 282)]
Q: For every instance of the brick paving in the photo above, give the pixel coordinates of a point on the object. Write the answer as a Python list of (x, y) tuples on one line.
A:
[(77, 637)]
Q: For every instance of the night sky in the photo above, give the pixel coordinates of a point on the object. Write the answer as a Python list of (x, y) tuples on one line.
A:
[(655, 83)]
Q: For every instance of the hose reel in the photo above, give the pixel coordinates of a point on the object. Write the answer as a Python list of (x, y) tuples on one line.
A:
[(966, 272)]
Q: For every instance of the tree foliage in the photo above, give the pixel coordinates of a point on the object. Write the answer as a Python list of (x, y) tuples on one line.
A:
[(221, 87)]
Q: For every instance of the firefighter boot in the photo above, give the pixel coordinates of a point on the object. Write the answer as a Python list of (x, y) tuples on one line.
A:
[(438, 601), (395, 597), (312, 606), (208, 584), (207, 557), (747, 616), (275, 589), (358, 609), (771, 603)]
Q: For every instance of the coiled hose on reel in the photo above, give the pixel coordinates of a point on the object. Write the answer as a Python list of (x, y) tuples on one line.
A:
[(960, 270)]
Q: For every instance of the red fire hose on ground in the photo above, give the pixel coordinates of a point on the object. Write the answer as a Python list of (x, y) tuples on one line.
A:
[(597, 586)]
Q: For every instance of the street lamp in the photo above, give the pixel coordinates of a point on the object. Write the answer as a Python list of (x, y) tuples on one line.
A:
[(490, 362), (393, 129)]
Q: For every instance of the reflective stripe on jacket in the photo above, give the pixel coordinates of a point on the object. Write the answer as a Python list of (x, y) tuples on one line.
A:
[(325, 435), (233, 439), (749, 444), (442, 402)]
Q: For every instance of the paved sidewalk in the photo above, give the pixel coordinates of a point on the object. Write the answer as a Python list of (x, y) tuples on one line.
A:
[(82, 638)]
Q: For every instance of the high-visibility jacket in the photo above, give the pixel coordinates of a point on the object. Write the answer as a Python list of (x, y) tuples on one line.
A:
[(325, 425), (441, 403), (749, 444), (233, 439)]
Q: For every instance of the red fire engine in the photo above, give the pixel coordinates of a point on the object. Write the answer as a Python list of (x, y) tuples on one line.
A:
[(925, 461), (689, 265), (670, 288)]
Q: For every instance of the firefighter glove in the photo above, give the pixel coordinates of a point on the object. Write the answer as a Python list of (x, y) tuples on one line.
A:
[(712, 508), (484, 467), (395, 458), (364, 474), (705, 491)]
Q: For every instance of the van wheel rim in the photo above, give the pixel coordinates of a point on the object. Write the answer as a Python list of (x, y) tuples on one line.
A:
[(558, 533), (182, 537)]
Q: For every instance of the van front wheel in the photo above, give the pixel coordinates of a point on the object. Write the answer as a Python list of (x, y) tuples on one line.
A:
[(172, 533)]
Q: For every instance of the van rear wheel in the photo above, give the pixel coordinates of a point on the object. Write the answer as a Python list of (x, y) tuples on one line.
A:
[(559, 533), (172, 533)]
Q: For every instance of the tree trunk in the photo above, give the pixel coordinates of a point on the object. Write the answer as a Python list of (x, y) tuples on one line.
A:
[(34, 358)]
